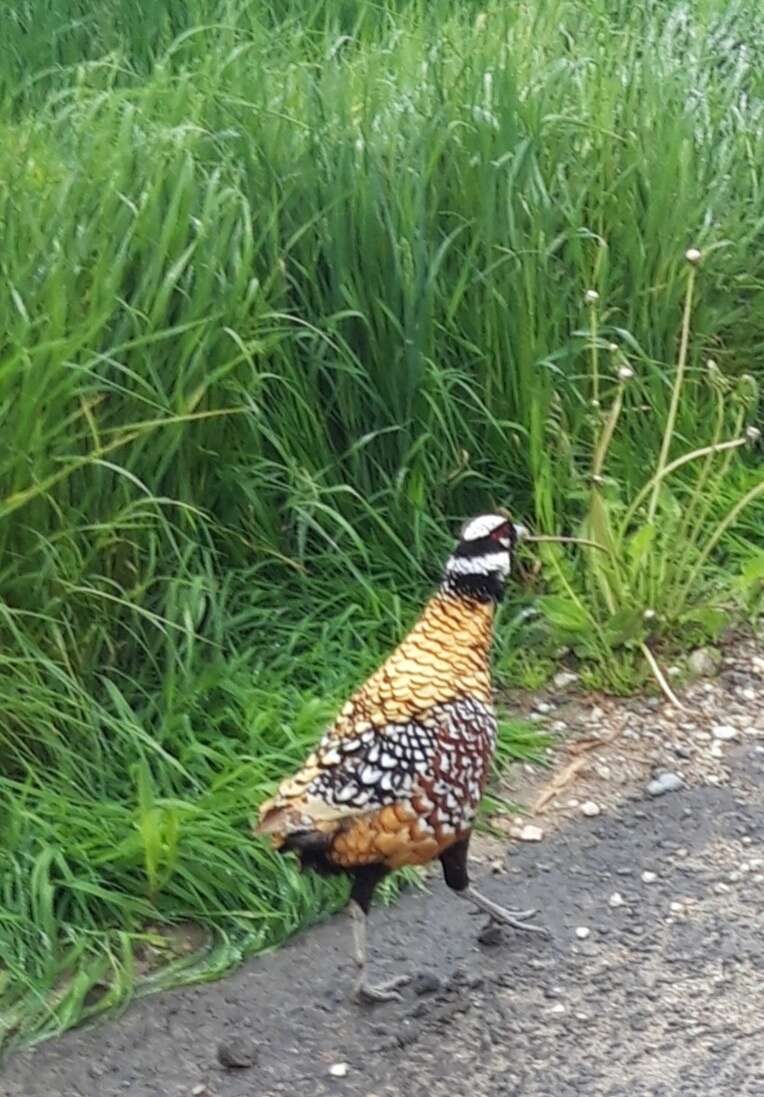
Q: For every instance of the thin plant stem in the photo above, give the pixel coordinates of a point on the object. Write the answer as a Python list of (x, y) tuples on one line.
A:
[(594, 358), (660, 677), (607, 433), (678, 462), (676, 393), (715, 538)]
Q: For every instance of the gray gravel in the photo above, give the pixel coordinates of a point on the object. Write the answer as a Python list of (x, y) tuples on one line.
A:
[(663, 997)]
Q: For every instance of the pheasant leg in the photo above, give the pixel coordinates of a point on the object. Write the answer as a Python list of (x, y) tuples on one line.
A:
[(518, 919), (454, 862), (363, 991)]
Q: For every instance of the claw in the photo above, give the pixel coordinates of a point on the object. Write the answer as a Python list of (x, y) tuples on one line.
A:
[(518, 919), (382, 992)]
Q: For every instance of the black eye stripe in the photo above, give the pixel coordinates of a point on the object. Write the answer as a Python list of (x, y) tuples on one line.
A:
[(484, 546)]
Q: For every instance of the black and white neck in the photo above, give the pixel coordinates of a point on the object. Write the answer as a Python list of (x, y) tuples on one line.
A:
[(482, 560)]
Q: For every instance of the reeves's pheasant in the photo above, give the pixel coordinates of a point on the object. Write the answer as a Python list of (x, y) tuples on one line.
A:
[(398, 777)]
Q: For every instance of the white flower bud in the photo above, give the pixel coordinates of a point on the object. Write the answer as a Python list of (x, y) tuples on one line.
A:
[(625, 373), (753, 434), (649, 615), (591, 297), (692, 255)]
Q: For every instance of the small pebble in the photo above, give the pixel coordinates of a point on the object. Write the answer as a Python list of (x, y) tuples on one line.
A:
[(491, 935), (649, 877), (528, 833), (724, 732), (676, 908), (426, 983), (721, 888), (664, 782), (564, 679), (590, 808), (199, 1091), (543, 707), (582, 932), (616, 899), (704, 662), (558, 1007), (339, 1070), (237, 1053)]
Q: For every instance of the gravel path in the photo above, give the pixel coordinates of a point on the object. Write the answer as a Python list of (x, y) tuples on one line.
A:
[(651, 984)]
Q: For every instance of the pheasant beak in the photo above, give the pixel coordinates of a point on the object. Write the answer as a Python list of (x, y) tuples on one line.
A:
[(521, 532)]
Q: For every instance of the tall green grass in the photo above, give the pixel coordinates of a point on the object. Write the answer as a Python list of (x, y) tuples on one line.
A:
[(285, 292)]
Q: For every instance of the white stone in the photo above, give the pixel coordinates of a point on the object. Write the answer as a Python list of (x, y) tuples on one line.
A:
[(665, 782), (527, 833), (616, 899), (339, 1070), (721, 888), (724, 732), (582, 932), (564, 678), (676, 908), (590, 808), (557, 1008), (543, 707), (649, 877)]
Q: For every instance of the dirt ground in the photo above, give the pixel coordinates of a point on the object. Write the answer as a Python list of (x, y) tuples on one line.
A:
[(651, 983)]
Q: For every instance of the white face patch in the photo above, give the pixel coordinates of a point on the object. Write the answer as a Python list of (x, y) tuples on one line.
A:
[(492, 563), (482, 526)]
